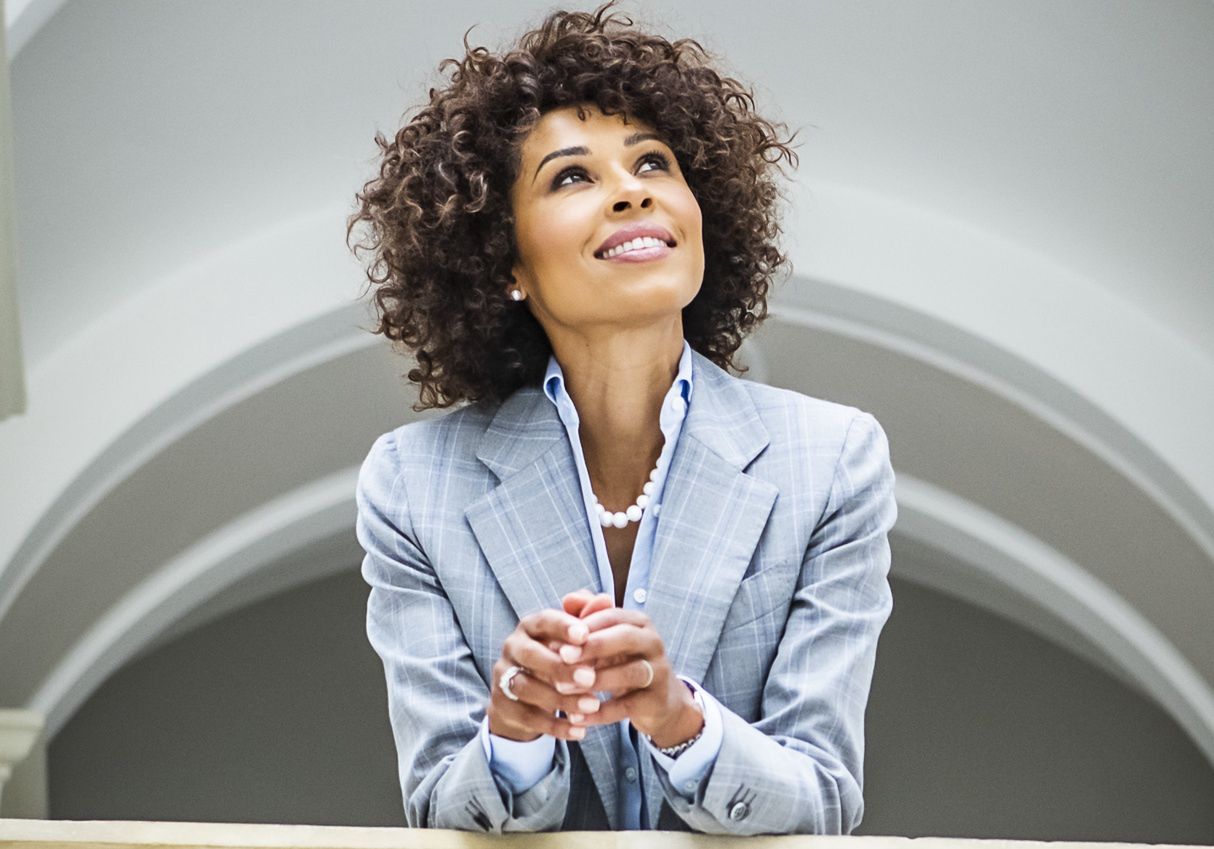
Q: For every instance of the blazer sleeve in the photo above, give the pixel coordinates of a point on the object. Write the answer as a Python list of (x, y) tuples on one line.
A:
[(799, 768), (436, 695)]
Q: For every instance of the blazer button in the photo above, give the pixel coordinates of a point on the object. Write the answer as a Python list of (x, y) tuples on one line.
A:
[(739, 812)]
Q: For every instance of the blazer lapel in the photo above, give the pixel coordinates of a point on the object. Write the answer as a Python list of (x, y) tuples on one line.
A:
[(532, 527), (533, 530), (710, 522)]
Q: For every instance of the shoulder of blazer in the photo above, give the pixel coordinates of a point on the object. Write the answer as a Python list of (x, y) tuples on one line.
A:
[(452, 434), (736, 418), (788, 419), (787, 413), (505, 437)]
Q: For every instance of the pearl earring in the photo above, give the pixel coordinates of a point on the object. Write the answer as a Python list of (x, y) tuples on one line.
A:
[(516, 295)]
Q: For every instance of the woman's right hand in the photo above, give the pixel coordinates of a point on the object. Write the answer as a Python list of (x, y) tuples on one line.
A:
[(547, 683)]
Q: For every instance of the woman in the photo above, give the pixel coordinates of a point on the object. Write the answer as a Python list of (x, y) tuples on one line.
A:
[(620, 588)]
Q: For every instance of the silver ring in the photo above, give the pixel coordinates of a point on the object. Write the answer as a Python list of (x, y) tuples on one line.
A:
[(504, 682), (649, 668)]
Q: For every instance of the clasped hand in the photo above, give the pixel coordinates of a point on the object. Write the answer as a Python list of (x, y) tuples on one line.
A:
[(588, 664)]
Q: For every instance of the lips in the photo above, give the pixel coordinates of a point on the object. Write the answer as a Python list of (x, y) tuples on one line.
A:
[(632, 232)]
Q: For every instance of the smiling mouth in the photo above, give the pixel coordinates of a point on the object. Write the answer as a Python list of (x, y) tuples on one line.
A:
[(637, 245)]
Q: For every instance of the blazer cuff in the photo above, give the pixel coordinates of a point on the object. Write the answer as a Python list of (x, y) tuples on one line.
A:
[(688, 770), (520, 766)]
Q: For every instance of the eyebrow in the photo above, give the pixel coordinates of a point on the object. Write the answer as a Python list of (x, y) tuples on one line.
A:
[(580, 150)]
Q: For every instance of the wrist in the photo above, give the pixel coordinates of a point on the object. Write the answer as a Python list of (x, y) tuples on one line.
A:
[(513, 736), (687, 725)]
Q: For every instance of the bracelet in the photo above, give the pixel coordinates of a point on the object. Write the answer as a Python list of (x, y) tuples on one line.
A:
[(680, 748), (675, 751)]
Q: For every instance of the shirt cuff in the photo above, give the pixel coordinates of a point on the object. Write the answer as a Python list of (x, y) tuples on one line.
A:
[(520, 765), (688, 769)]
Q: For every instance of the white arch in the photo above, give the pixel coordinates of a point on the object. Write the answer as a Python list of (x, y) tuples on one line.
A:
[(893, 327), (993, 549), (295, 313), (287, 524), (926, 262), (1027, 310), (296, 316), (1005, 554)]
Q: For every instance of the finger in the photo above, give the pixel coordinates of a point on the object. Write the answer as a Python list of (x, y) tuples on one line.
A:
[(607, 617), (531, 691), (571, 655), (573, 603), (623, 639), (539, 660), (526, 720), (615, 710), (581, 603), (607, 662), (600, 601), (548, 666), (553, 624), (627, 677)]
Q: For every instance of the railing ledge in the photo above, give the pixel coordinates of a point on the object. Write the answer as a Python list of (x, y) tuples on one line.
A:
[(110, 834)]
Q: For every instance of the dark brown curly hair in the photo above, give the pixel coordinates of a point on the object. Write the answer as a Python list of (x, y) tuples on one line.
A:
[(439, 216)]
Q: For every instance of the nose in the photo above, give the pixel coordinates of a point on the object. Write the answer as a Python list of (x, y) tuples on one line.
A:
[(631, 192)]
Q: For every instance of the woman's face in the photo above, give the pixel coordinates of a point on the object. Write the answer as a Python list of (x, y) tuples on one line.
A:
[(606, 228)]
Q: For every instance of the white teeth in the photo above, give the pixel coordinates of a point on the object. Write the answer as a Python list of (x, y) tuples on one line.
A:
[(632, 245)]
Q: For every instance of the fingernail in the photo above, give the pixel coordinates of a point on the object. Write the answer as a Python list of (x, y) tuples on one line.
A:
[(583, 676), (565, 687), (576, 717), (577, 733), (588, 705), (578, 632), (571, 654)]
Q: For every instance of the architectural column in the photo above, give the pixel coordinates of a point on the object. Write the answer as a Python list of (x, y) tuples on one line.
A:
[(12, 377), (18, 731)]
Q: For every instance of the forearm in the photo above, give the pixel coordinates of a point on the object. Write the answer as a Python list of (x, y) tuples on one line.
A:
[(462, 792), (764, 784)]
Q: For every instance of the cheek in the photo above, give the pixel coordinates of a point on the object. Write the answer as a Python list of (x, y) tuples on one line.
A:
[(690, 212), (549, 240), (694, 220)]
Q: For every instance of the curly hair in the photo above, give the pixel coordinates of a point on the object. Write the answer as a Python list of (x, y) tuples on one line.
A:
[(439, 216)]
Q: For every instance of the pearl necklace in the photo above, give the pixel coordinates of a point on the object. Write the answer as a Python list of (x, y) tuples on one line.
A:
[(635, 510)]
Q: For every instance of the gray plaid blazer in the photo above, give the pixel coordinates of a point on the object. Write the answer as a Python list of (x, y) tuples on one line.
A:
[(769, 585)]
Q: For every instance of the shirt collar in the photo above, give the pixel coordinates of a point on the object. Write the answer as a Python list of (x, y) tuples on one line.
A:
[(554, 386)]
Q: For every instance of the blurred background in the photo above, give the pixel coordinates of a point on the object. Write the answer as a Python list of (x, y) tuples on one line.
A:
[(1001, 242)]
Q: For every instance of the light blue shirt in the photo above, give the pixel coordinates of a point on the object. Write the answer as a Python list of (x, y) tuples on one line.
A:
[(522, 765)]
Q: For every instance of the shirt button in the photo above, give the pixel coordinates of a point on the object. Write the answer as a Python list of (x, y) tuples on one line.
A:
[(630, 774), (739, 812), (678, 405), (639, 595)]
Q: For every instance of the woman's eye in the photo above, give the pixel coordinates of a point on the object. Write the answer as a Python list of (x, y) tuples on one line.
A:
[(576, 174), (567, 177), (658, 160)]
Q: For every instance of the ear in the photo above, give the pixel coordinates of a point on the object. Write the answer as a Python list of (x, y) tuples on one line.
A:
[(519, 279)]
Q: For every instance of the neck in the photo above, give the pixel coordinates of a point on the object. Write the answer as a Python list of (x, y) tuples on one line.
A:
[(618, 382)]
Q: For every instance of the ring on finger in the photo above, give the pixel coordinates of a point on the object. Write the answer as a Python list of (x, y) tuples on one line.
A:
[(504, 682), (649, 669)]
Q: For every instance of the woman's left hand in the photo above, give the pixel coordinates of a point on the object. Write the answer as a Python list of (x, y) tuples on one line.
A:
[(622, 647)]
